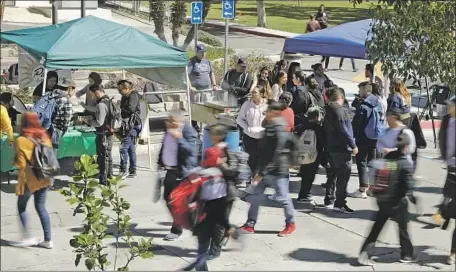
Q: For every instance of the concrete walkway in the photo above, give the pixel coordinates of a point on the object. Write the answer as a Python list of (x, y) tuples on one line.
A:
[(325, 240)]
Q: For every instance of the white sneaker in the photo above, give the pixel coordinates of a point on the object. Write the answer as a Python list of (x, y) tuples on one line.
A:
[(171, 236), (25, 243), (46, 244), (358, 194)]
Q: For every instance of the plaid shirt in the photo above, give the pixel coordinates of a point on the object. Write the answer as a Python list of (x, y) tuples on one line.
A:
[(63, 110)]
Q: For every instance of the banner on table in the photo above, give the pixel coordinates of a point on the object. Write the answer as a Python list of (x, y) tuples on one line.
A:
[(31, 71)]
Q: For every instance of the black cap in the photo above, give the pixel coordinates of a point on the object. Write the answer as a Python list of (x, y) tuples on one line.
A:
[(395, 112), (95, 88), (200, 48), (242, 61)]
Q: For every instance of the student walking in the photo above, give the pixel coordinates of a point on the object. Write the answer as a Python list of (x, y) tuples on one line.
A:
[(273, 171), (28, 184)]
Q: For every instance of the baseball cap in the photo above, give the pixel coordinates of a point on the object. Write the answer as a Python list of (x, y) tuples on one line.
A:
[(200, 48), (242, 62), (395, 112), (68, 83)]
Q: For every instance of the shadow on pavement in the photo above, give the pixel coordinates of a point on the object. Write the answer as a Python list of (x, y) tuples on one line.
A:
[(320, 255), (359, 214), (429, 190)]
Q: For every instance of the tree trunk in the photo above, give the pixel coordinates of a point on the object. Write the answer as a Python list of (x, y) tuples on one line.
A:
[(261, 10), (191, 32), (157, 13), (178, 11)]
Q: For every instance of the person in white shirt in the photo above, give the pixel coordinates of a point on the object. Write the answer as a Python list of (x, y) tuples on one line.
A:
[(250, 119), (279, 85), (387, 142)]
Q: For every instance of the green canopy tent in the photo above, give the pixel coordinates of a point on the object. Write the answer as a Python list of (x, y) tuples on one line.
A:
[(91, 42)]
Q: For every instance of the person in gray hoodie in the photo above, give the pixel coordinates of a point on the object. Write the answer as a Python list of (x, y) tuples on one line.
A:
[(250, 118)]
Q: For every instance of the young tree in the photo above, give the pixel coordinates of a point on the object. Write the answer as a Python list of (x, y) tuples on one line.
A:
[(178, 12), (414, 39), (261, 10), (157, 10)]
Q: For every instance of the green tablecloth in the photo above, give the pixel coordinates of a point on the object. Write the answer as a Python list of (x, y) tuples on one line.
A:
[(74, 144)]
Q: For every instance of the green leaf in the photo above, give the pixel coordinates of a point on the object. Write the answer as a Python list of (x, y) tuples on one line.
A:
[(77, 260), (90, 263), (93, 183), (122, 186), (77, 178), (123, 268), (77, 165), (73, 200), (146, 255)]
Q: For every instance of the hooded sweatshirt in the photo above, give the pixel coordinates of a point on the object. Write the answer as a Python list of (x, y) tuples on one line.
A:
[(338, 129), (362, 115), (250, 118)]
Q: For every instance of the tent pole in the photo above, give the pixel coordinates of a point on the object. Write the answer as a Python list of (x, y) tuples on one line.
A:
[(54, 11), (431, 110), (189, 105), (83, 9), (44, 81)]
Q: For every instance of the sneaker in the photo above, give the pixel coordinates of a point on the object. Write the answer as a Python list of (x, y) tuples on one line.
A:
[(364, 259), (213, 255), (288, 230), (248, 228), (451, 259), (25, 243), (358, 194), (132, 175), (329, 204), (407, 259), (344, 209), (46, 244), (341, 69), (304, 200), (171, 236)]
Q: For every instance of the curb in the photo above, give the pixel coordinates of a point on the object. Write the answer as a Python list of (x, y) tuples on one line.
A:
[(244, 30)]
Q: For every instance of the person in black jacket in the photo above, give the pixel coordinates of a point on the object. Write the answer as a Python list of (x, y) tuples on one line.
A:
[(131, 112), (238, 81), (178, 155), (413, 123), (393, 202), (367, 147), (447, 145), (274, 170), (339, 145)]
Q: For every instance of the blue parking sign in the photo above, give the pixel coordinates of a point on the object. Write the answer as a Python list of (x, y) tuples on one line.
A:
[(197, 13), (228, 10)]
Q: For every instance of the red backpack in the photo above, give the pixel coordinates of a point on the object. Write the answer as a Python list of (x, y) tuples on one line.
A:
[(184, 202)]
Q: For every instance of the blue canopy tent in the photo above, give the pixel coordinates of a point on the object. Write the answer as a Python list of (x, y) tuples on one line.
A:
[(346, 41)]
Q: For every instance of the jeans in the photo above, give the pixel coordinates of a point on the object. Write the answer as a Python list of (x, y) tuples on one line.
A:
[(330, 194), (340, 164), (128, 151), (200, 264), (400, 213), (280, 185), (104, 159), (40, 207), (307, 173), (363, 158), (251, 147), (170, 183), (341, 63)]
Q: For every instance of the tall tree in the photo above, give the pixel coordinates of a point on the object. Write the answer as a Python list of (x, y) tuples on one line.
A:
[(178, 12), (261, 11), (157, 9), (414, 39)]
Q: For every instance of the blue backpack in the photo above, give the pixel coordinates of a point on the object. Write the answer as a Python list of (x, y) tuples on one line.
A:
[(375, 127), (45, 108)]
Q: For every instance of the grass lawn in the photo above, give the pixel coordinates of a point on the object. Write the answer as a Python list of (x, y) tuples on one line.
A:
[(287, 16)]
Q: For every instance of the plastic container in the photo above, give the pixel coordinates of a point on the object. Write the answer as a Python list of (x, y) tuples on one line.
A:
[(232, 139)]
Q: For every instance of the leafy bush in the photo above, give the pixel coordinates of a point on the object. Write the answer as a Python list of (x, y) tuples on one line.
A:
[(212, 53), (91, 200), (209, 39), (25, 95), (254, 64)]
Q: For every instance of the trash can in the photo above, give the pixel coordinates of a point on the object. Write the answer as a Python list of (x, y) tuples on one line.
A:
[(232, 139)]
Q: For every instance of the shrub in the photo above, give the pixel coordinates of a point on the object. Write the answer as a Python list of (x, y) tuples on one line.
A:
[(25, 95), (254, 64)]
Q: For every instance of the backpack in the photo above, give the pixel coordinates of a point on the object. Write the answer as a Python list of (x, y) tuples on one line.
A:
[(375, 127), (114, 122), (45, 108), (383, 174), (308, 144), (44, 163), (185, 204), (295, 149), (314, 106)]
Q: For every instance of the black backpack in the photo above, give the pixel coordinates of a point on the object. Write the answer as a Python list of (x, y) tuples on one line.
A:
[(44, 163), (114, 118)]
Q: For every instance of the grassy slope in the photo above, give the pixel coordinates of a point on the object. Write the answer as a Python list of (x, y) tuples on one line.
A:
[(287, 16)]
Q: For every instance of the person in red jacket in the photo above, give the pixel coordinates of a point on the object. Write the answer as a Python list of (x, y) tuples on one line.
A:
[(288, 114)]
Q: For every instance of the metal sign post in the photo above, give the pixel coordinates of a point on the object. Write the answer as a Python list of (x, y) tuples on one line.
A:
[(197, 18), (228, 12)]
